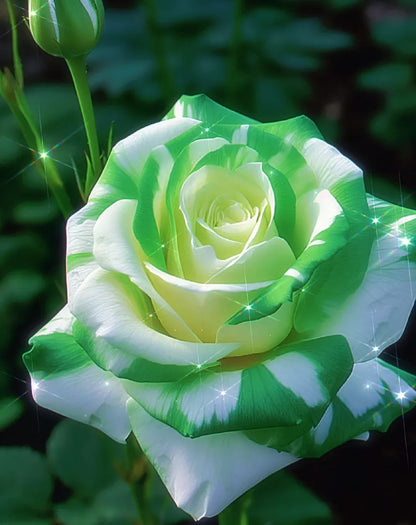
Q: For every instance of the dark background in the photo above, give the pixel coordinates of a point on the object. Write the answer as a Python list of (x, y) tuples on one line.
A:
[(348, 64)]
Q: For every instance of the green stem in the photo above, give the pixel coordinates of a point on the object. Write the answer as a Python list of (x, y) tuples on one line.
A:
[(139, 478), (78, 69), (233, 84), (166, 80), (236, 513), (14, 97), (17, 64)]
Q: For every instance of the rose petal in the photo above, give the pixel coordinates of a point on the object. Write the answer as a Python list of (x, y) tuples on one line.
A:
[(65, 380), (375, 316), (292, 386), (206, 474)]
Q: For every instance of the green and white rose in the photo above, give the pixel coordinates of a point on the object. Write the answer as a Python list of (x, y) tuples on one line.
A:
[(230, 288)]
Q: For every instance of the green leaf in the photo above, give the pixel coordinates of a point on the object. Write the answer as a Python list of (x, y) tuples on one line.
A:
[(282, 500), (25, 485), (11, 408), (393, 77), (82, 458), (113, 505), (397, 33)]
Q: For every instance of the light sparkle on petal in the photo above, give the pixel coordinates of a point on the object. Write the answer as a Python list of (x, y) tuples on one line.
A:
[(375, 221), (35, 386), (375, 348), (400, 396), (405, 241), (223, 393), (249, 307), (43, 155)]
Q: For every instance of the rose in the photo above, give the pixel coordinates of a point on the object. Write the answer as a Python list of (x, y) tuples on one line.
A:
[(230, 286)]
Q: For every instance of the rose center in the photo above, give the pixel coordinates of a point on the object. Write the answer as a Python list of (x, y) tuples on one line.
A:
[(228, 210)]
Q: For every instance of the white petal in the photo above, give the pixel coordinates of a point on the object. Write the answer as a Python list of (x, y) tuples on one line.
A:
[(204, 475), (375, 316)]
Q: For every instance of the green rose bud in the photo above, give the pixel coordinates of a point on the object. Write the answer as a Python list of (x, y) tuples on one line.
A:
[(230, 287), (66, 28)]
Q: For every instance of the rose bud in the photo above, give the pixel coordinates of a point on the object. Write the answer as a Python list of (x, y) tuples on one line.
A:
[(66, 28)]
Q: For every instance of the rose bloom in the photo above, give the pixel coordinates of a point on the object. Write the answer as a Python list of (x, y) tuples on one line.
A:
[(230, 288)]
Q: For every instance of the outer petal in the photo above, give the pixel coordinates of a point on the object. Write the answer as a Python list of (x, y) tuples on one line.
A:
[(65, 380), (374, 396), (293, 386), (209, 112), (375, 316), (205, 474)]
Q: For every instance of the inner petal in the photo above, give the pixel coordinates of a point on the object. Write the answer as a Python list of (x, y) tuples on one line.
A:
[(224, 208)]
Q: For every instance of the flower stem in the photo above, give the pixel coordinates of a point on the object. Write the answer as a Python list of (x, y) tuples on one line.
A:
[(78, 69), (138, 478)]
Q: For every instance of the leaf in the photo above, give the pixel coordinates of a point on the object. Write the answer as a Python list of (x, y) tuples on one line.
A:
[(83, 459), (282, 500), (391, 77), (11, 409), (114, 505), (396, 33), (25, 485)]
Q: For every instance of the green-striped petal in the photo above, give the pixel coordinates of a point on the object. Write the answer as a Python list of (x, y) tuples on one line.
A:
[(116, 249), (119, 180), (124, 333), (65, 380), (338, 278), (202, 108), (372, 398), (294, 387), (375, 316), (328, 236), (204, 475)]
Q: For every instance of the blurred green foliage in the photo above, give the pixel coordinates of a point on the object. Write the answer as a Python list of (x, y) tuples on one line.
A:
[(349, 64)]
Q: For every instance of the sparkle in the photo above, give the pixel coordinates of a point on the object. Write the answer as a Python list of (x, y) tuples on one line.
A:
[(400, 396), (107, 383), (249, 307), (33, 13), (198, 366), (206, 130), (35, 386), (375, 348), (223, 393), (163, 246), (43, 155), (405, 241), (375, 221), (367, 386)]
